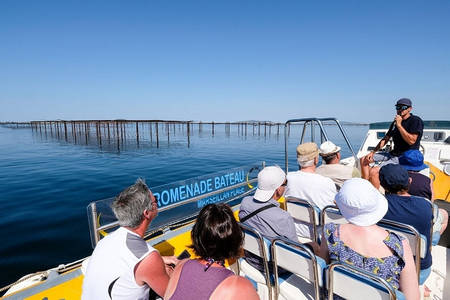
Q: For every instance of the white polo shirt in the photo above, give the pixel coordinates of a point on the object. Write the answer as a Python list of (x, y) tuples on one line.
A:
[(110, 271), (317, 189)]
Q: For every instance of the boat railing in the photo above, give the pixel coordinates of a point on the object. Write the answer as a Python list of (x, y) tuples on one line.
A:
[(323, 134), (180, 201)]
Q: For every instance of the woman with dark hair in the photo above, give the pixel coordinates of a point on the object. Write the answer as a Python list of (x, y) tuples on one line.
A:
[(216, 236)]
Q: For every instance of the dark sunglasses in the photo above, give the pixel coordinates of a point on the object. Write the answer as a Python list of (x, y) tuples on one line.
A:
[(401, 107), (284, 183)]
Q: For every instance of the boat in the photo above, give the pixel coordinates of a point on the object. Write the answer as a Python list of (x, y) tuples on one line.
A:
[(179, 203)]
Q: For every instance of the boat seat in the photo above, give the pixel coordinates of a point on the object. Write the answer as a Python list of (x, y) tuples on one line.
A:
[(351, 282), (305, 277), (331, 214), (306, 213), (255, 243), (417, 242)]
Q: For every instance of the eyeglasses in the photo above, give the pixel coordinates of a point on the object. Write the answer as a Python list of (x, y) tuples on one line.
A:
[(284, 183), (401, 107)]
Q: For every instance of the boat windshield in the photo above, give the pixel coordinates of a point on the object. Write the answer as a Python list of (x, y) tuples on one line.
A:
[(182, 200)]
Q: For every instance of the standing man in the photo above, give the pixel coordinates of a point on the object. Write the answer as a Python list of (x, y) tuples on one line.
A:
[(123, 265), (406, 131)]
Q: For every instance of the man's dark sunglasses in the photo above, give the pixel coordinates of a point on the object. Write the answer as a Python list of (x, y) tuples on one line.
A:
[(284, 183), (401, 107)]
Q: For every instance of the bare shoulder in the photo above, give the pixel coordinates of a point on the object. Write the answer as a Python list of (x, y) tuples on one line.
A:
[(235, 287)]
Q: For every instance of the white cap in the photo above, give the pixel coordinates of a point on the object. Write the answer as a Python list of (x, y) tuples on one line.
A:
[(360, 203), (328, 148), (269, 179)]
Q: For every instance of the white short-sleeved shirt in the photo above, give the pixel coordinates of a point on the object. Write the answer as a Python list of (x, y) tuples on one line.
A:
[(110, 270), (317, 189)]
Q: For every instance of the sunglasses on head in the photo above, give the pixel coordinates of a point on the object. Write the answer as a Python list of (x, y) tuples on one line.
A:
[(401, 107)]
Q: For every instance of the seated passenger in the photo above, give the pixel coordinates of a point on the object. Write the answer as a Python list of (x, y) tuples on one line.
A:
[(263, 212), (365, 245), (404, 208), (123, 265), (331, 166), (421, 185), (306, 184), (216, 236)]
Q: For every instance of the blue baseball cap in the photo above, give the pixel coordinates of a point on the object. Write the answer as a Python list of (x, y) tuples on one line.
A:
[(404, 101), (412, 160), (393, 175)]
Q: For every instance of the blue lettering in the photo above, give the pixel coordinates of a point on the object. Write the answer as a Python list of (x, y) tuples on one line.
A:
[(203, 186), (226, 176), (174, 195), (157, 198), (196, 189), (209, 185), (182, 192), (189, 191), (222, 181), (231, 178), (167, 200), (217, 182)]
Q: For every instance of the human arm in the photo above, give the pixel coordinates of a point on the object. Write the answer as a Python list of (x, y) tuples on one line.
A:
[(235, 287), (173, 282), (409, 285), (409, 138), (151, 271)]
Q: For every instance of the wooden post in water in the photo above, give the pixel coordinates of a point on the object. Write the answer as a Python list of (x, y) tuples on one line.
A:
[(168, 133), (65, 130), (137, 133), (212, 128), (157, 135), (109, 134), (188, 133), (86, 131), (117, 135), (151, 133)]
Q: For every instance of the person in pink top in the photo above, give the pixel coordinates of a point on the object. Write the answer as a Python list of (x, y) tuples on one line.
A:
[(216, 236)]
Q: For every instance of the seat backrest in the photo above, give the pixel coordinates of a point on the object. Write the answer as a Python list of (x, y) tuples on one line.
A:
[(304, 211), (331, 214), (417, 242), (351, 282), (299, 260), (257, 245)]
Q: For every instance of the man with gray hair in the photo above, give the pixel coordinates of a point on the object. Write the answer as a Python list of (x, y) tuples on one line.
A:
[(307, 185), (123, 265), (331, 164)]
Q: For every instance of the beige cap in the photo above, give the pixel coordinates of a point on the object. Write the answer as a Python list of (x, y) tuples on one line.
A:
[(307, 151)]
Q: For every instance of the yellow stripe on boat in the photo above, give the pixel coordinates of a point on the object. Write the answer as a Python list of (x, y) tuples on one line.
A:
[(441, 183)]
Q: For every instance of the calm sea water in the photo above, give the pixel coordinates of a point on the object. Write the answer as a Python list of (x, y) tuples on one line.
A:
[(46, 182)]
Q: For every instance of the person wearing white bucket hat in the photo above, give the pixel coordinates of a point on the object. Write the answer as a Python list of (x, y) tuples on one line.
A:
[(331, 164), (364, 244), (262, 210)]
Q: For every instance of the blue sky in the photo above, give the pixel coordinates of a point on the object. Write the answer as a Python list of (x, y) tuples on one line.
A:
[(223, 60)]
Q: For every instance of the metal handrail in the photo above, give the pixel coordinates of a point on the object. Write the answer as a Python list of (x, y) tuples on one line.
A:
[(322, 130), (262, 253), (312, 214), (360, 272), (394, 225)]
